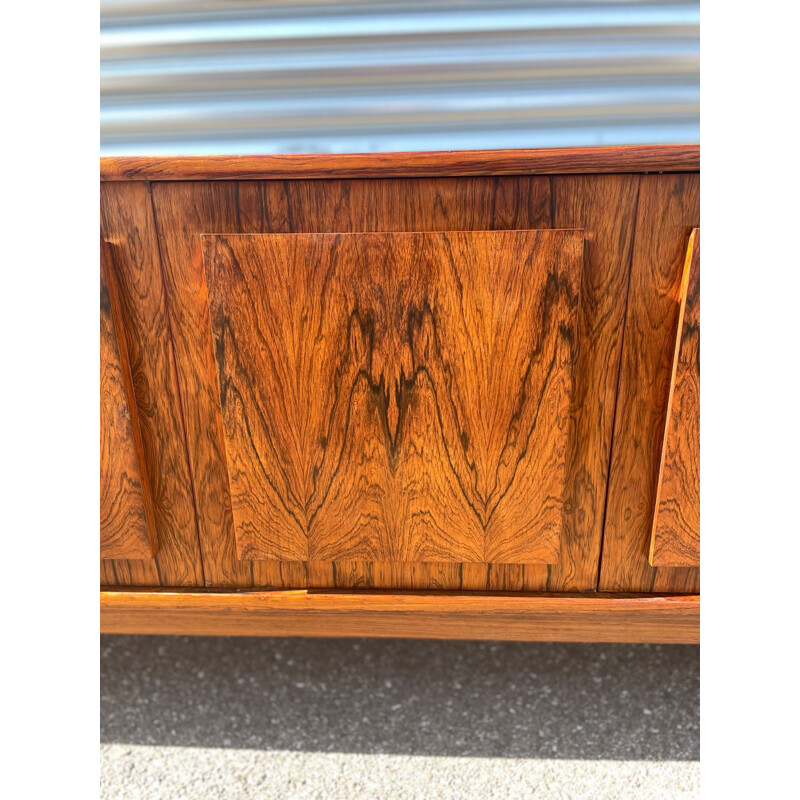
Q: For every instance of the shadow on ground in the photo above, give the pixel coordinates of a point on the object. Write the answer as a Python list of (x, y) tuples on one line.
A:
[(515, 700)]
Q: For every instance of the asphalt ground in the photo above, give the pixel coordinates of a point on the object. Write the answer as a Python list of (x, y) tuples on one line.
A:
[(241, 718)]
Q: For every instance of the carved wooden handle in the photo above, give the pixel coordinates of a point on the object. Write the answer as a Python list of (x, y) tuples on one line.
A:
[(676, 525), (126, 503)]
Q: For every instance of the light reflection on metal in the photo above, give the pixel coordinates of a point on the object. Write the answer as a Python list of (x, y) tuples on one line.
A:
[(238, 76)]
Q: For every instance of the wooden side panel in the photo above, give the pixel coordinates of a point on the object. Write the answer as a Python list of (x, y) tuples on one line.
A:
[(126, 507), (396, 397), (127, 227), (604, 206), (668, 211), (676, 528)]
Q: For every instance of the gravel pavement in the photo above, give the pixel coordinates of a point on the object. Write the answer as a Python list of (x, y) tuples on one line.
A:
[(237, 718)]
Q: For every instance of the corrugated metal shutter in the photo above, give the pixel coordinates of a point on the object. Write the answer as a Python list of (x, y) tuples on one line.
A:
[(193, 77)]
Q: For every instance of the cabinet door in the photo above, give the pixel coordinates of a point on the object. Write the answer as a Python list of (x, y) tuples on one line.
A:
[(668, 212), (398, 397), (126, 510), (676, 526)]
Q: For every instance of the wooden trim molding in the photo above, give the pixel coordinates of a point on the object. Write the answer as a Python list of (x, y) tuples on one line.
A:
[(559, 161), (667, 619)]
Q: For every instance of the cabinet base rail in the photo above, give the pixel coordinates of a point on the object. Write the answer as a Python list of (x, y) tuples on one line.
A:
[(589, 617)]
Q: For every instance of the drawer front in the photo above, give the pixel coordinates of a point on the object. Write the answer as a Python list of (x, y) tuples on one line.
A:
[(396, 397)]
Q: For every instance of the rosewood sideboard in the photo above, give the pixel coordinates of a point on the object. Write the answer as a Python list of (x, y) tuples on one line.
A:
[(445, 395)]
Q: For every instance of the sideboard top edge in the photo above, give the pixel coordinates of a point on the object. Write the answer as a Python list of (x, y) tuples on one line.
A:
[(449, 163)]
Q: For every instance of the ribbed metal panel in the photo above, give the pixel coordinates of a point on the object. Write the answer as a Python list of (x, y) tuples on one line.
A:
[(232, 76)]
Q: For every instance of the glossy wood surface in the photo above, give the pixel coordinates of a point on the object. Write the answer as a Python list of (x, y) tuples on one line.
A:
[(668, 211), (571, 160), (128, 228), (676, 527), (396, 397), (126, 506), (564, 618), (627, 218), (603, 205)]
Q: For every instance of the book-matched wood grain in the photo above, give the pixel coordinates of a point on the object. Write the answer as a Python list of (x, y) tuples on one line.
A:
[(604, 205), (128, 228), (185, 211), (668, 210), (549, 161), (396, 397), (126, 505), (542, 618), (676, 527)]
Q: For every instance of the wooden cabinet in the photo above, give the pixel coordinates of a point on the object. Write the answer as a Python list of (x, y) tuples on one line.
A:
[(398, 397), (436, 373)]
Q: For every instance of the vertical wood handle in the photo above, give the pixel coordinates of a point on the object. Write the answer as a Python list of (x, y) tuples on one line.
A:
[(126, 502), (676, 525)]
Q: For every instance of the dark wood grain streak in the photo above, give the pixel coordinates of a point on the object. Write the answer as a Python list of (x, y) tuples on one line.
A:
[(126, 505), (127, 227), (676, 527), (396, 397), (669, 209), (107, 574), (566, 618), (571, 160)]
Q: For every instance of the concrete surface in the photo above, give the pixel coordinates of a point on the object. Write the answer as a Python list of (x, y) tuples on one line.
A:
[(185, 717)]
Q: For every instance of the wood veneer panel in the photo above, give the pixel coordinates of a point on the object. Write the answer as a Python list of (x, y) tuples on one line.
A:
[(668, 211), (186, 210), (344, 574), (127, 226), (637, 158), (107, 576), (566, 618), (396, 397), (126, 507), (604, 205), (676, 528)]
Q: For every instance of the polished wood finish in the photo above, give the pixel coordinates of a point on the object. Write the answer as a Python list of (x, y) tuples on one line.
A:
[(603, 205), (128, 228), (676, 527), (396, 397), (571, 160), (668, 211), (412, 396), (565, 618), (126, 504), (636, 228), (186, 210)]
